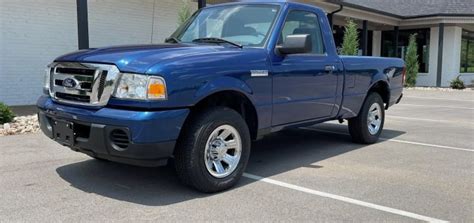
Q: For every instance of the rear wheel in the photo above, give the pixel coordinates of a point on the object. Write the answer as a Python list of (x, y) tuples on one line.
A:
[(213, 151), (367, 126)]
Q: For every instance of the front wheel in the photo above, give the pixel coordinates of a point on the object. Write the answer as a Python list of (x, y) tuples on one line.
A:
[(367, 126), (213, 152)]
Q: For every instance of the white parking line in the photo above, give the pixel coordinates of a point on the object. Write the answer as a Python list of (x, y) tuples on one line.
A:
[(435, 106), (447, 99), (343, 199), (427, 144), (425, 119), (400, 141)]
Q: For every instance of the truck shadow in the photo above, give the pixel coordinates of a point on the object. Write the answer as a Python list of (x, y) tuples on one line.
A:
[(277, 153)]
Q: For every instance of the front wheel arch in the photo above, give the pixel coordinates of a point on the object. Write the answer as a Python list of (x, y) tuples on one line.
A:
[(235, 100)]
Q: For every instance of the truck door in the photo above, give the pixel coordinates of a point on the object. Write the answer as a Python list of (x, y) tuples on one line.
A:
[(304, 85)]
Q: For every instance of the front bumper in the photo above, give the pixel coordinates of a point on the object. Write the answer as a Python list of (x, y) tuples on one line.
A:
[(147, 137)]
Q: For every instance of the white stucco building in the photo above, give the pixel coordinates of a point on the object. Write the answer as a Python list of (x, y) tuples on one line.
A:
[(34, 32), (445, 33)]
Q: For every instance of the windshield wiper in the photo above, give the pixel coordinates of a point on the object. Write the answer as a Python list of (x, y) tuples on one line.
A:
[(172, 40), (216, 40)]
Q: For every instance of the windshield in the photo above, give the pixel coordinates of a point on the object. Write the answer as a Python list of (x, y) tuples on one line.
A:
[(247, 25)]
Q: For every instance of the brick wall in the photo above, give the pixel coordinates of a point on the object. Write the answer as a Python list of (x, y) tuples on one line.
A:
[(34, 32)]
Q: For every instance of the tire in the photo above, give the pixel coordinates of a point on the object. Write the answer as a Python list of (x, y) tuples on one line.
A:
[(360, 129), (200, 149)]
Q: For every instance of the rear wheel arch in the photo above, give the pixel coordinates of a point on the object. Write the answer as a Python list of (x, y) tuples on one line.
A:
[(383, 89), (359, 126)]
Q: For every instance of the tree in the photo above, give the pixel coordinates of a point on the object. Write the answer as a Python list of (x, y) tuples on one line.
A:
[(184, 13), (411, 62), (350, 43)]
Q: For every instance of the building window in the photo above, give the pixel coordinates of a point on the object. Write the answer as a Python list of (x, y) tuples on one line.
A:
[(338, 33), (467, 52), (389, 49)]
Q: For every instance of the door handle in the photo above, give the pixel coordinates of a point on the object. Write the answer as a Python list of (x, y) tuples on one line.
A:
[(329, 68)]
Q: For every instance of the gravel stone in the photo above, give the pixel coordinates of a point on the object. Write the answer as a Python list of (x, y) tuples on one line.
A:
[(439, 89), (20, 125)]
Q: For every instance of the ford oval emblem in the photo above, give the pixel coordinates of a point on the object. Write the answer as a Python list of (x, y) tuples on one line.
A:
[(70, 83)]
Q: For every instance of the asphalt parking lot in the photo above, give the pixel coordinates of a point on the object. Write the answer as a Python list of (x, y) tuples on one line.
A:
[(422, 170)]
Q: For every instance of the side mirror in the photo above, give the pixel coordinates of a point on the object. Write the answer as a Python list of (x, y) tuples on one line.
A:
[(295, 44)]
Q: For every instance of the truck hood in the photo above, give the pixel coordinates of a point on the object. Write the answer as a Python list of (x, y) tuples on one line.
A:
[(139, 58)]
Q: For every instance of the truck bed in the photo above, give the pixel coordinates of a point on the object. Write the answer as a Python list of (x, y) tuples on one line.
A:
[(361, 73)]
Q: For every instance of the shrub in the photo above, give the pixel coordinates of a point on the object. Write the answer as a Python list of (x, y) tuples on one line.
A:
[(411, 61), (350, 43), (6, 114), (184, 13), (457, 83)]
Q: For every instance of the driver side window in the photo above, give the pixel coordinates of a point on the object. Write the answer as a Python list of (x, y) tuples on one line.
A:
[(302, 22)]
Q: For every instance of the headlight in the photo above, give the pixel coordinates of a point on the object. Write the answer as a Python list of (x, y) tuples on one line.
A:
[(140, 87), (47, 80)]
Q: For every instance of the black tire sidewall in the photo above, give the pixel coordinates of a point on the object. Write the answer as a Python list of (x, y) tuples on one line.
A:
[(373, 98), (358, 125), (201, 129)]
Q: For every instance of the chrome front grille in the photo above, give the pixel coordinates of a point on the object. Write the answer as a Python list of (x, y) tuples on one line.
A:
[(82, 83)]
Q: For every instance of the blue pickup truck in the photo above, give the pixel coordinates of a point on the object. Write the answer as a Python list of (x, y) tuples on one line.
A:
[(231, 74)]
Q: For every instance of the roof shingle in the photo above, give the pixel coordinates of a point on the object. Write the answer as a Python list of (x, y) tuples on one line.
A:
[(413, 8)]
